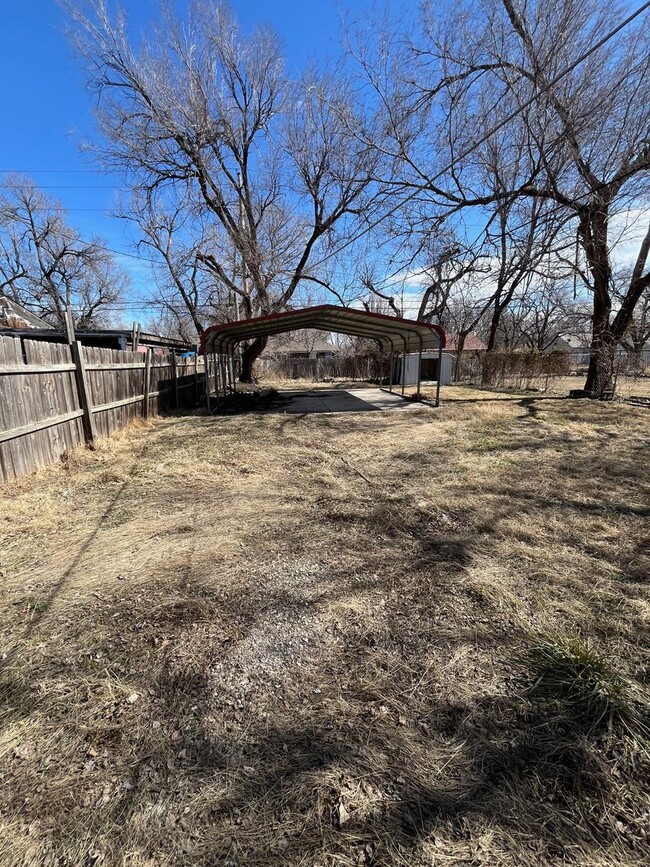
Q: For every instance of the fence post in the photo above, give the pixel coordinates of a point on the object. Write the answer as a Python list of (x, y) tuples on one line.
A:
[(196, 376), (175, 373), (147, 384), (439, 374), (84, 393), (69, 325)]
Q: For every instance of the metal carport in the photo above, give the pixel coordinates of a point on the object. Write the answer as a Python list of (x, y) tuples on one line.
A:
[(393, 335)]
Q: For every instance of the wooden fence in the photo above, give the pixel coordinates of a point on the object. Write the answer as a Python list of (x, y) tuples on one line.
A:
[(354, 367), (56, 396)]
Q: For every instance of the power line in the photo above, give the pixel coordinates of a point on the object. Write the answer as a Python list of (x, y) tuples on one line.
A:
[(55, 172), (492, 131), (543, 220), (420, 188), (92, 243), (68, 187), (107, 211)]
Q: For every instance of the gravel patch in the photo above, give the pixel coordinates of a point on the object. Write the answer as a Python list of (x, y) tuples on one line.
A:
[(273, 656)]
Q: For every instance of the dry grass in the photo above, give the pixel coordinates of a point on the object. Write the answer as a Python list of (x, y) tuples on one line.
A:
[(288, 640), (554, 386), (560, 386)]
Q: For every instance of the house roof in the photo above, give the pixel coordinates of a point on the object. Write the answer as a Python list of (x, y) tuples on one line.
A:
[(472, 343), (10, 309), (105, 337), (391, 332), (300, 341), (567, 341)]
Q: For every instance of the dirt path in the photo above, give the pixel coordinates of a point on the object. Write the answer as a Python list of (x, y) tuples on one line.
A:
[(288, 640)]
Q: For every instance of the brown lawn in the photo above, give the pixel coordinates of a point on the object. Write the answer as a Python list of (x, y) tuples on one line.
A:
[(413, 638)]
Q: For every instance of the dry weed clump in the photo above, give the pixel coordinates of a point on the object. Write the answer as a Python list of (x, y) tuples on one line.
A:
[(280, 640), (580, 683)]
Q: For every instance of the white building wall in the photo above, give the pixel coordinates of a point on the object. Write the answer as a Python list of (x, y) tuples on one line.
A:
[(410, 374)]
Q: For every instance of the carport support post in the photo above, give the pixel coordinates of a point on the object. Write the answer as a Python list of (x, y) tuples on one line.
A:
[(224, 374), (226, 367), (206, 373), (196, 376), (391, 359), (439, 374), (381, 364), (403, 371), (419, 368)]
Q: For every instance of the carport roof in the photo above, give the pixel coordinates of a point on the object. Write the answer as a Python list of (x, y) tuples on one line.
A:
[(391, 332)]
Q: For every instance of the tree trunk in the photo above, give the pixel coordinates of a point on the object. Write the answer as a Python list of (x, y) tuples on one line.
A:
[(249, 356), (592, 232), (600, 374)]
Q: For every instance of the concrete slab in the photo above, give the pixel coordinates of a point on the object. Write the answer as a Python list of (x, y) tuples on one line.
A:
[(348, 400)]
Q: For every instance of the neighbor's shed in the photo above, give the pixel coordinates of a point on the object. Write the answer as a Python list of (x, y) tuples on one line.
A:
[(407, 373)]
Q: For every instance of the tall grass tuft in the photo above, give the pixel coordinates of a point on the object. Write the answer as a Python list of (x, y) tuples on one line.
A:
[(574, 675)]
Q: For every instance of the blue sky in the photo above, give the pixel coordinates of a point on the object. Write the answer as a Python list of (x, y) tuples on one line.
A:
[(47, 110)]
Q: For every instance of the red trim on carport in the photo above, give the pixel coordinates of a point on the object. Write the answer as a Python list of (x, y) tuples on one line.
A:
[(321, 308)]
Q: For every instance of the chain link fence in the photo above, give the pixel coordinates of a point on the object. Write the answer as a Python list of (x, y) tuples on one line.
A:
[(557, 371)]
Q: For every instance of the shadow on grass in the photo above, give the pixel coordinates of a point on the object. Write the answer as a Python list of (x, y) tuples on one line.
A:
[(259, 788), (17, 694), (397, 721)]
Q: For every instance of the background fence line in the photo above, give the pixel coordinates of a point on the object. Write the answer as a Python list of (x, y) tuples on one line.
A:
[(54, 396), (503, 367)]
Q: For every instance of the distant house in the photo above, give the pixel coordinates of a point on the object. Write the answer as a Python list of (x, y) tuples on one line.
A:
[(574, 346), (566, 343), (14, 315), (17, 321), (300, 344), (472, 343)]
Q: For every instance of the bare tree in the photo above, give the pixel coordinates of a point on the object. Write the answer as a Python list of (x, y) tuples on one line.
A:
[(505, 236), (434, 264), (465, 313), (602, 119), (545, 310), (47, 266), (185, 288), (204, 113), (444, 271), (637, 339), (587, 135), (585, 141)]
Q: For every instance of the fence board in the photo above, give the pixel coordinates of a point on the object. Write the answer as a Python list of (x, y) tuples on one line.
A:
[(7, 465), (40, 409), (14, 414), (41, 404)]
